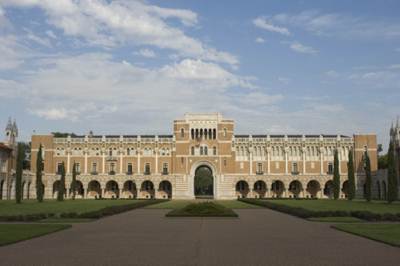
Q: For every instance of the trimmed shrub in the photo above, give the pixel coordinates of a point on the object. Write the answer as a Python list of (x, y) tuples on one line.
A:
[(304, 213)]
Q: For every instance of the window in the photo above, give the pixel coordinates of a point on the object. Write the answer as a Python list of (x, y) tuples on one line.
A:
[(259, 168), (201, 150), (128, 151), (294, 168), (205, 150), (224, 162), (110, 152), (214, 150), (214, 133), (182, 160), (192, 133), (147, 169), (192, 151), (78, 167), (130, 168), (182, 133), (330, 168), (224, 132), (94, 168), (59, 166), (165, 169), (112, 168)]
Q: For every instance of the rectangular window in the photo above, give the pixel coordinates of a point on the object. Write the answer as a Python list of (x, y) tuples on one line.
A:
[(94, 168), (59, 165), (112, 169), (259, 168), (130, 168), (165, 169), (330, 168), (295, 169), (78, 167), (147, 169)]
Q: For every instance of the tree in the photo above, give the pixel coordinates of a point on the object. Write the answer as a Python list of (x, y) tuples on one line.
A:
[(391, 175), (18, 174), (73, 183), (39, 169), (383, 161), (61, 187), (368, 178), (350, 176), (336, 176)]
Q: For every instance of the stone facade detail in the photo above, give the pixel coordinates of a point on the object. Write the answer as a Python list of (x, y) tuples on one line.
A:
[(164, 166)]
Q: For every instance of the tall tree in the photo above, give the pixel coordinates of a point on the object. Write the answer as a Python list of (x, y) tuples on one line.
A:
[(391, 176), (61, 186), (336, 176), (39, 169), (73, 183), (350, 176), (368, 178), (18, 174)]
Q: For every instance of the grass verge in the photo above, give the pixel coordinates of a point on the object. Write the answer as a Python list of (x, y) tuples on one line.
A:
[(344, 219), (202, 209), (327, 208), (386, 233), (12, 233)]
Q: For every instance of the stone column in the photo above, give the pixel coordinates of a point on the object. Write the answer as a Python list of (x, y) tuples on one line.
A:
[(304, 161), (286, 162), (120, 163), (269, 161), (86, 157), (321, 160), (103, 163), (68, 162)]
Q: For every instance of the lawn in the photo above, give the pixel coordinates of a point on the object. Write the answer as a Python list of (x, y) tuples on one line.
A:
[(11, 233), (342, 205), (345, 219), (9, 208), (178, 204), (387, 233), (202, 209)]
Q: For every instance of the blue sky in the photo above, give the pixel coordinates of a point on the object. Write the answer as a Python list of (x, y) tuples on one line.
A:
[(131, 67)]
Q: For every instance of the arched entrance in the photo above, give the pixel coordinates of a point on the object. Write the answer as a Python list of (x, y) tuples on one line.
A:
[(203, 182), (329, 189)]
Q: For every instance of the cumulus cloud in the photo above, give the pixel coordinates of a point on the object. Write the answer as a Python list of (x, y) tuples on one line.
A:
[(111, 24), (261, 22), (300, 48)]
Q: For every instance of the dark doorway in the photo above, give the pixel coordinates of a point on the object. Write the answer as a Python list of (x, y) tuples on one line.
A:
[(203, 183)]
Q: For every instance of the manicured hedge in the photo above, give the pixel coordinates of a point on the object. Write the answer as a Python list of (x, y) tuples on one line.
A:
[(304, 213), (92, 214)]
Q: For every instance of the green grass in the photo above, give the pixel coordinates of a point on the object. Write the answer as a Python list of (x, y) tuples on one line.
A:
[(202, 209), (171, 204), (11, 233), (235, 204), (346, 219), (342, 205), (66, 220), (9, 208), (386, 233)]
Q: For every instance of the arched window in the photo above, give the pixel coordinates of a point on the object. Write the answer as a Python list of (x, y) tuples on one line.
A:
[(214, 133), (201, 133), (205, 133), (182, 133), (214, 150), (210, 133), (197, 133), (201, 150), (192, 133), (205, 150)]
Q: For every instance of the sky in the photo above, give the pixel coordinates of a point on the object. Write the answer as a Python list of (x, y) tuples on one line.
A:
[(132, 67)]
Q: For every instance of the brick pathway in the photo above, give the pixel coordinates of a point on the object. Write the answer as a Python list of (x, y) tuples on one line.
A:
[(146, 237)]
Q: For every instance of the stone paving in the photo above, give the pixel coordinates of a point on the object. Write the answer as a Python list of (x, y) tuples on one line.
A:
[(146, 237)]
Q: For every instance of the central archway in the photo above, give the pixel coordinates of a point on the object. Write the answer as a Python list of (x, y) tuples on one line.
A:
[(203, 182)]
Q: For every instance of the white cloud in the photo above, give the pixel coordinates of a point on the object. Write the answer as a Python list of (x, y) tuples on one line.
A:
[(12, 53), (146, 53), (300, 48), (338, 24), (262, 23), (40, 40), (110, 24), (260, 40), (92, 86)]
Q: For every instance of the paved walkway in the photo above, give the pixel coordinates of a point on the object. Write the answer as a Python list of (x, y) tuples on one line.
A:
[(146, 237)]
